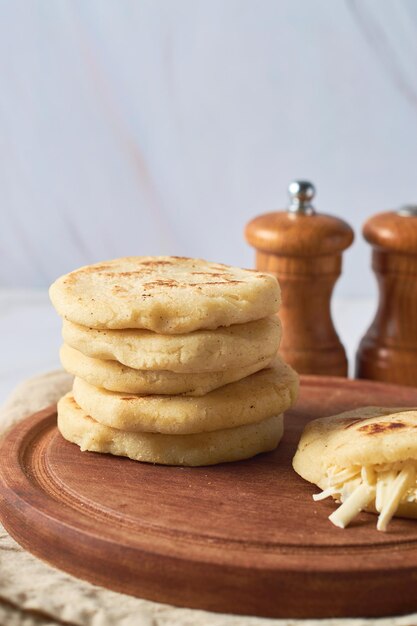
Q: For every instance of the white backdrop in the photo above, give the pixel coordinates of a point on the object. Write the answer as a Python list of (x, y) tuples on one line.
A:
[(153, 127)]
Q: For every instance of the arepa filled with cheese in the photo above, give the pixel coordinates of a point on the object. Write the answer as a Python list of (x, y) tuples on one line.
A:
[(366, 460)]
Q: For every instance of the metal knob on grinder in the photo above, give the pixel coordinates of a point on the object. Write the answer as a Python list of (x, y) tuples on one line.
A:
[(303, 249), (388, 351)]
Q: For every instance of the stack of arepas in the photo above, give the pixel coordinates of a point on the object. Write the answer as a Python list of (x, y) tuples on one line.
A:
[(174, 360)]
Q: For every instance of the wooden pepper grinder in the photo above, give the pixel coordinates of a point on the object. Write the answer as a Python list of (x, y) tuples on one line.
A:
[(304, 251), (388, 351)]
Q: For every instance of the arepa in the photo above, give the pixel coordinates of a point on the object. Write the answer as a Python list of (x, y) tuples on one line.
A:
[(257, 397), (232, 444), (234, 346), (366, 459), (115, 376), (164, 294)]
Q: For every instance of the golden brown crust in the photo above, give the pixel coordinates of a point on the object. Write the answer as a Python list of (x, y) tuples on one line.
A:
[(268, 392), (114, 376), (222, 446), (164, 294), (364, 436), (236, 346)]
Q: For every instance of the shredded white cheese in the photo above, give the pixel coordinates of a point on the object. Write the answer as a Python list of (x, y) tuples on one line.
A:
[(353, 505), (393, 495), (385, 486), (384, 482)]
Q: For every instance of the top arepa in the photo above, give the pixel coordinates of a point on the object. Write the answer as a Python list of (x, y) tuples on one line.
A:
[(164, 294)]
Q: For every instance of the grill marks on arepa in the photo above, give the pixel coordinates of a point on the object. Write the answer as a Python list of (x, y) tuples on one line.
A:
[(164, 294)]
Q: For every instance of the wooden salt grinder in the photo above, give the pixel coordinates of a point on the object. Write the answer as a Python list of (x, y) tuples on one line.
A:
[(304, 251), (388, 351)]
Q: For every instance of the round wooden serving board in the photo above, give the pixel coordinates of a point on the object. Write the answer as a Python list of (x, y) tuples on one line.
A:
[(241, 538)]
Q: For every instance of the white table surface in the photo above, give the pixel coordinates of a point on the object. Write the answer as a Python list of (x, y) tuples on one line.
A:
[(30, 333)]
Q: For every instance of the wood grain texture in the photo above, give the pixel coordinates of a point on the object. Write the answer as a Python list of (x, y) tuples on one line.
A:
[(243, 538), (304, 253), (388, 351)]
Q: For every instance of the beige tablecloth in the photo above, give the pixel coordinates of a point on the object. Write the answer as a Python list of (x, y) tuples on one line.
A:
[(34, 594)]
